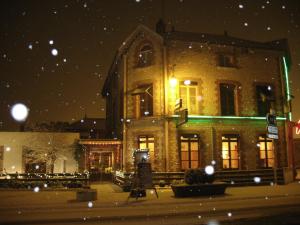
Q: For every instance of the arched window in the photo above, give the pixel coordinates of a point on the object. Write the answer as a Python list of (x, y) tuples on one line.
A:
[(145, 56)]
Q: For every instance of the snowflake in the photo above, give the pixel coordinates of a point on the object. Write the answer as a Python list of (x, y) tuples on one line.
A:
[(241, 6), (246, 24), (54, 52), (51, 42), (229, 214), (36, 189), (30, 46), (90, 204)]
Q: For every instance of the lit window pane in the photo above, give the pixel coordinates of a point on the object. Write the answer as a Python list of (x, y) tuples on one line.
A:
[(194, 164), (234, 164), (233, 145), (184, 165), (194, 155), (194, 146), (184, 146), (184, 156), (234, 155), (143, 145), (269, 145), (225, 164), (262, 154), (151, 147), (225, 146), (262, 146), (225, 154)]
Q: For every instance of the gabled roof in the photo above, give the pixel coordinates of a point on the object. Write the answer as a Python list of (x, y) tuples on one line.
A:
[(225, 39), (139, 30)]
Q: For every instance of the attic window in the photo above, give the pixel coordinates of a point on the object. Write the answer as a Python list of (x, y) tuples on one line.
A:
[(226, 60), (145, 55)]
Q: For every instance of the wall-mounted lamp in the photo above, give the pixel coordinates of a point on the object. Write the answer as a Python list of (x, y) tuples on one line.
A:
[(187, 82), (173, 81)]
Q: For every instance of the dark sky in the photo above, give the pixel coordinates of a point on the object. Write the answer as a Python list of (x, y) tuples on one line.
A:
[(87, 33)]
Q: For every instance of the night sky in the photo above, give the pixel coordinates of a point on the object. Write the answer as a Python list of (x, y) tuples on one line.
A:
[(86, 34)]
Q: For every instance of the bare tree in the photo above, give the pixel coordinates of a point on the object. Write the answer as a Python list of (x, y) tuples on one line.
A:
[(47, 148)]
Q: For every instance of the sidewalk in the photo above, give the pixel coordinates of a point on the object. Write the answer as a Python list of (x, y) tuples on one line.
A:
[(22, 206)]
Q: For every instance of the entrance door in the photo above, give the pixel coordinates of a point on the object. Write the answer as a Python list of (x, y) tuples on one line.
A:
[(189, 151), (100, 161)]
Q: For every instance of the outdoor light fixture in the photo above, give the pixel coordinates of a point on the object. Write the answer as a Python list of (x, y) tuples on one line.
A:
[(173, 82), (187, 82)]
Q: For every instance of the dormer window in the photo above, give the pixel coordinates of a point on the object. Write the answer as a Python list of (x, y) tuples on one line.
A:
[(145, 55), (226, 60)]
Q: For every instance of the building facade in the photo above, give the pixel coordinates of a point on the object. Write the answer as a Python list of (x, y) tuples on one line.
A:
[(227, 85)]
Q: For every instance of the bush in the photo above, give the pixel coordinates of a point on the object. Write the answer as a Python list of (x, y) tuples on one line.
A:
[(197, 176), (162, 183)]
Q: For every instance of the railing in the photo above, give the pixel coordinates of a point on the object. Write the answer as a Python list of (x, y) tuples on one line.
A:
[(41, 180), (232, 177)]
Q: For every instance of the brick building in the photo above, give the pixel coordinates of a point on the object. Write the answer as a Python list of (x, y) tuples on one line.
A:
[(227, 84)]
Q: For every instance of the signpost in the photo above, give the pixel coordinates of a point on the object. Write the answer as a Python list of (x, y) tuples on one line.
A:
[(272, 133), (182, 113)]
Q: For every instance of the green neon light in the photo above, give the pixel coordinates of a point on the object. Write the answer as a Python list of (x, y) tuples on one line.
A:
[(286, 73), (286, 79), (228, 117)]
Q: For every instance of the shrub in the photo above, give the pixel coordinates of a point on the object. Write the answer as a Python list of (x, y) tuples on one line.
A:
[(197, 176)]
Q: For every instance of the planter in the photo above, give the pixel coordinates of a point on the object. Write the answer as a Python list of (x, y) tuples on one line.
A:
[(185, 190), (86, 195)]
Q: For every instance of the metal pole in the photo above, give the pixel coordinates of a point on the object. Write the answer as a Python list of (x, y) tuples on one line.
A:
[(275, 162)]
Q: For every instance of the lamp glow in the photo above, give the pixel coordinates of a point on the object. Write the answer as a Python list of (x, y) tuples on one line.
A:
[(187, 82), (19, 112), (173, 82)]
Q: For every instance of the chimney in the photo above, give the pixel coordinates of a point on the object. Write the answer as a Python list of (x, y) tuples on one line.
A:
[(160, 27)]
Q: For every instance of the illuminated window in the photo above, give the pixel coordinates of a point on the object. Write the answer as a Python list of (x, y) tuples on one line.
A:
[(266, 156), (230, 152), (264, 99), (147, 142), (188, 94), (227, 97), (145, 56), (189, 151), (226, 60)]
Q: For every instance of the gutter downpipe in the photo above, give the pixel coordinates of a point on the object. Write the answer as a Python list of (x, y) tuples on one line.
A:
[(124, 145), (166, 109)]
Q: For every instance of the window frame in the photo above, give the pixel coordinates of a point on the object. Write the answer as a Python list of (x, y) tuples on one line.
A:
[(234, 97), (148, 98), (271, 102), (265, 141), (229, 141), (147, 142), (193, 85), (226, 60), (189, 141), (145, 56)]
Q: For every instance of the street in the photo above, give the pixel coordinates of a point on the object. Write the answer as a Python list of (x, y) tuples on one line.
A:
[(278, 204)]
